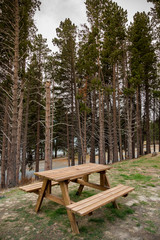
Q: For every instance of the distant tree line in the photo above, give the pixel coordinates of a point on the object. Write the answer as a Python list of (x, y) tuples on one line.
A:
[(99, 94)]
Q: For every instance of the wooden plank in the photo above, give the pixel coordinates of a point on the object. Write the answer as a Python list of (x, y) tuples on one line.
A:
[(41, 195), (107, 181), (99, 197), (95, 196), (80, 189), (104, 181), (67, 201), (103, 202), (102, 178), (75, 175), (89, 184), (98, 200), (49, 187), (73, 168), (72, 172), (35, 186), (55, 199)]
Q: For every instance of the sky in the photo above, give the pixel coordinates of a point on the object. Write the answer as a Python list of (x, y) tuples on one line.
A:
[(54, 11)]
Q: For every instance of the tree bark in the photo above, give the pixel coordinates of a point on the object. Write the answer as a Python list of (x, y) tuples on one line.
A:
[(80, 139), (8, 151), (138, 122), (133, 129), (101, 131), (110, 137), (20, 113), (115, 150), (129, 128), (159, 126), (25, 140), (148, 148), (119, 123), (12, 166), (38, 138), (72, 128), (47, 128), (4, 141), (84, 138), (52, 121), (92, 157), (68, 148), (154, 127)]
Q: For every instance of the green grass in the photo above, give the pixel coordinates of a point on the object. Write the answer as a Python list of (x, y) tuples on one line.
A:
[(96, 220), (151, 227), (11, 219), (151, 185), (138, 224), (143, 203), (155, 166), (112, 213), (136, 177)]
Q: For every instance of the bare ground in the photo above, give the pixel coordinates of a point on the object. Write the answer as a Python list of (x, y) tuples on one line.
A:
[(137, 219)]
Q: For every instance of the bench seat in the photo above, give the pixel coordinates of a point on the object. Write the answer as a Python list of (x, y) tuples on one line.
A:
[(33, 187), (92, 203)]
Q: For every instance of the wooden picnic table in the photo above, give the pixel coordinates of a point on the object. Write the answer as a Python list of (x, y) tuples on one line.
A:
[(78, 174)]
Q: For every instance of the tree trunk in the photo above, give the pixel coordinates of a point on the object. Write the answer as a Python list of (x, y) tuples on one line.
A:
[(72, 128), (25, 140), (133, 129), (8, 151), (110, 137), (38, 138), (140, 128), (52, 121), (119, 124), (68, 148), (115, 150), (3, 158), (92, 157), (148, 149), (101, 131), (138, 122), (12, 166), (47, 128), (129, 128), (84, 138), (80, 139), (159, 126), (55, 154), (20, 113), (85, 124), (154, 126)]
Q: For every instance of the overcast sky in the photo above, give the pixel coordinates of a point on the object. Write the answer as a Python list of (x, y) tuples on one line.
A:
[(54, 11)]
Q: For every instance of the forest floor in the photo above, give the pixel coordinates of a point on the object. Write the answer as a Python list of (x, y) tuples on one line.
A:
[(137, 219)]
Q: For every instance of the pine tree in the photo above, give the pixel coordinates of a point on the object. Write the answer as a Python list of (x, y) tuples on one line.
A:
[(142, 68), (66, 37)]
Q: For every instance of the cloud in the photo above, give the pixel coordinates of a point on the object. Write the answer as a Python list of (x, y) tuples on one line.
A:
[(54, 11)]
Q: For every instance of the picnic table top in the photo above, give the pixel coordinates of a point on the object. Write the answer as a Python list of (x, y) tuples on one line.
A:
[(71, 173)]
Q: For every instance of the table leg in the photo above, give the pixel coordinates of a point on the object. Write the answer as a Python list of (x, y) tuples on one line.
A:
[(80, 189), (49, 187), (104, 181), (41, 194), (67, 201)]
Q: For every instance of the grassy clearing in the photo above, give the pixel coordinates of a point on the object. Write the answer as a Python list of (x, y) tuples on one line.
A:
[(139, 211)]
